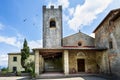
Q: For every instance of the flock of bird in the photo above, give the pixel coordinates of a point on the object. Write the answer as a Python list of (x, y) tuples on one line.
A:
[(25, 20)]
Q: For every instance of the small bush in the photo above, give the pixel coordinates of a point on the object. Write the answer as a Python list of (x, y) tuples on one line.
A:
[(31, 69), (4, 71), (33, 75), (18, 73)]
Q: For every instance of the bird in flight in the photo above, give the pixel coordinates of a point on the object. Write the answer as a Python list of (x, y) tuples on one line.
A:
[(24, 20)]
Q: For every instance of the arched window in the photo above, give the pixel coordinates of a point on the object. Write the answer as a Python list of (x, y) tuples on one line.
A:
[(52, 23), (79, 44)]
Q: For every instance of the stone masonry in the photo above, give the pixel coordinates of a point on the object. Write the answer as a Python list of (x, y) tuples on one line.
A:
[(109, 31), (52, 37)]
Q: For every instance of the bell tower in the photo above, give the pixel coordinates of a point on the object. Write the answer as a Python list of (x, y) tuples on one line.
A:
[(52, 27)]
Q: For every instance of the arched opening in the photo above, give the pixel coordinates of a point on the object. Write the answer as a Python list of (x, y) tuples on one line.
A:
[(52, 23), (79, 44)]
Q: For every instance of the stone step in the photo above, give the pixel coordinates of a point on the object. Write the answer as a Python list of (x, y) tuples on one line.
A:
[(61, 75)]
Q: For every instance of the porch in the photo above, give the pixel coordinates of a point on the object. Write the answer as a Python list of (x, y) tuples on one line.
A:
[(67, 60)]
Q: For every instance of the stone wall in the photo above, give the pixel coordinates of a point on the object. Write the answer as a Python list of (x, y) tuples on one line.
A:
[(90, 61), (102, 62), (110, 31), (74, 39), (52, 36), (115, 52)]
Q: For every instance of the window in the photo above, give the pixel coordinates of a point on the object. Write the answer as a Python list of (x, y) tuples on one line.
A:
[(52, 24), (14, 58), (14, 69), (79, 44), (110, 44)]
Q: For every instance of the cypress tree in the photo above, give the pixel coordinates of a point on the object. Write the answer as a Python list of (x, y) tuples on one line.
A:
[(25, 52)]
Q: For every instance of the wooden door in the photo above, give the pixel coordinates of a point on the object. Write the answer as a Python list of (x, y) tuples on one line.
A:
[(81, 65)]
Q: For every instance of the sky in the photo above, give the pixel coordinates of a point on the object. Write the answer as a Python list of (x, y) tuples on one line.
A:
[(20, 19)]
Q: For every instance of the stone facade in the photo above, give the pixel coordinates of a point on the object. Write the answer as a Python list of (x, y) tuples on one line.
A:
[(78, 52), (75, 39), (52, 33), (108, 31), (88, 56)]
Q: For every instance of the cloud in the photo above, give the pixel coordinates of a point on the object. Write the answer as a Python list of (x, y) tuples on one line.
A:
[(92, 35), (18, 41), (71, 11), (3, 60), (84, 14), (81, 15), (14, 41), (1, 26), (35, 44), (65, 18), (64, 3)]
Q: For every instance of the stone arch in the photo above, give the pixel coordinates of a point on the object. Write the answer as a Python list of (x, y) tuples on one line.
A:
[(52, 23), (81, 55)]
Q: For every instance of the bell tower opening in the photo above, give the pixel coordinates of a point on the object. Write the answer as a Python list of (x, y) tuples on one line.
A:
[(52, 23)]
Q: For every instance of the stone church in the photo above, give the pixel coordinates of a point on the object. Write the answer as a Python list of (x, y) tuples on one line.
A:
[(78, 52)]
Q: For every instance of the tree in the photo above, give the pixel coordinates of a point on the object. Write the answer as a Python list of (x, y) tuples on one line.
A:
[(25, 52), (31, 68)]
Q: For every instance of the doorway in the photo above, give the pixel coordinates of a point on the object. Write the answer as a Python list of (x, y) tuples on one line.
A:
[(81, 65)]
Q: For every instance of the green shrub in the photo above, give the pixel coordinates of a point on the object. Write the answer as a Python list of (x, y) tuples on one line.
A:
[(18, 73), (4, 71), (33, 75), (31, 68)]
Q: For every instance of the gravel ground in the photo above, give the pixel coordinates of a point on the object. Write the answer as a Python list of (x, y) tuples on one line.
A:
[(78, 78), (75, 78), (11, 78)]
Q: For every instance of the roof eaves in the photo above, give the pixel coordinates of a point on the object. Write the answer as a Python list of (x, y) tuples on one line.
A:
[(116, 16), (106, 18)]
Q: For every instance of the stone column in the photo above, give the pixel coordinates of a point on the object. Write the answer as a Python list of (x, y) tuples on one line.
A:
[(40, 63), (37, 62), (66, 62)]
